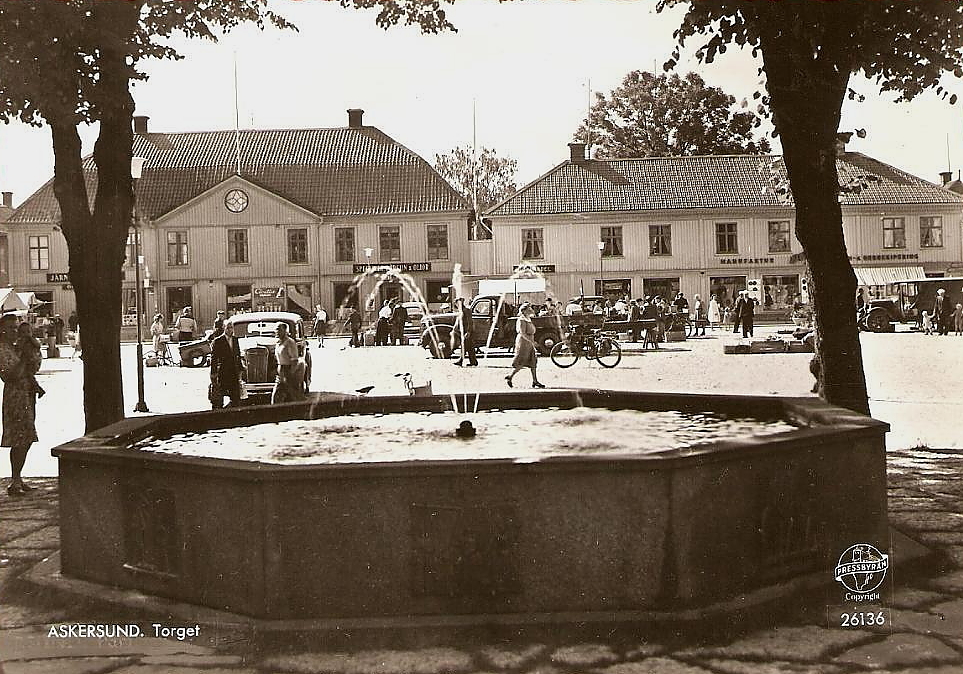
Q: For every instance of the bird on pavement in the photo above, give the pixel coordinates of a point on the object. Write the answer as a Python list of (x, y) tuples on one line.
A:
[(364, 390)]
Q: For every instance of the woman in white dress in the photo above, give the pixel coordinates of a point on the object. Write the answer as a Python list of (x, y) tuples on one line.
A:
[(715, 313)]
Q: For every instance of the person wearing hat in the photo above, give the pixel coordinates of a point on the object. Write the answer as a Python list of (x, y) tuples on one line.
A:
[(464, 329), (942, 312), (525, 353)]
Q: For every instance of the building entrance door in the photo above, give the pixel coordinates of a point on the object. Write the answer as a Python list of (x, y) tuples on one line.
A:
[(178, 297)]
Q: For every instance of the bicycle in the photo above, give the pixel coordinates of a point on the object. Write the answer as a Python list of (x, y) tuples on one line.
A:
[(593, 344)]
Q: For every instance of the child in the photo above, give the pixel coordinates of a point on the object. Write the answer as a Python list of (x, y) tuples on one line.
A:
[(958, 320), (927, 323), (29, 348)]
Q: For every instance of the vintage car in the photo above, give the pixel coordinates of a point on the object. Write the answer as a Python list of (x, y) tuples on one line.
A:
[(913, 297), (256, 337)]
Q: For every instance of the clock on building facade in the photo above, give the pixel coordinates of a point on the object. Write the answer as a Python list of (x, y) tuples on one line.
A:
[(236, 200)]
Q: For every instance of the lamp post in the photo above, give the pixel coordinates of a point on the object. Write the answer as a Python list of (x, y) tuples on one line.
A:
[(367, 260), (601, 245), (136, 168)]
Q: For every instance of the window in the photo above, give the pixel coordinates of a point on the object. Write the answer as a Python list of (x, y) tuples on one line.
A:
[(436, 292), (894, 233), (237, 246), (437, 242), (344, 244), (533, 244), (389, 243), (39, 252), (727, 240), (660, 240), (297, 246), (612, 238), (778, 236), (238, 298), (177, 248), (130, 256), (345, 295), (931, 231)]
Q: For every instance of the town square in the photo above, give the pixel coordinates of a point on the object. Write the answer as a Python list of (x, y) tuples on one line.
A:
[(354, 340)]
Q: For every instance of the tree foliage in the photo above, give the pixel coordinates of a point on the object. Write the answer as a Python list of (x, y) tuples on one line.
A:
[(483, 180), (809, 52), (69, 62), (652, 115)]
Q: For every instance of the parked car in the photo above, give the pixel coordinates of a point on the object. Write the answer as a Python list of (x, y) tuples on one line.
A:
[(257, 339), (438, 333), (913, 296), (416, 312)]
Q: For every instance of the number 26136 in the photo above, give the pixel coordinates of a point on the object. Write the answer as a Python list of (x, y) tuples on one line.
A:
[(862, 619)]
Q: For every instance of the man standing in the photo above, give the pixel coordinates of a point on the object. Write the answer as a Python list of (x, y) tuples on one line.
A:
[(225, 368), (354, 326), (464, 328), (218, 328), (942, 312), (747, 314), (288, 386), (185, 326), (399, 318), (737, 311)]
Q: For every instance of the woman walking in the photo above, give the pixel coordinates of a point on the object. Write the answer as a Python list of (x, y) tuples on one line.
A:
[(19, 402), (525, 353), (715, 314)]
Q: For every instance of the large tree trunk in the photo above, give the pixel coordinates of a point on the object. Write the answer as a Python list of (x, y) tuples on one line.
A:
[(806, 93), (96, 242)]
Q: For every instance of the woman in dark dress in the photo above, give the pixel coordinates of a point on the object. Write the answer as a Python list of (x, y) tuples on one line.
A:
[(19, 402), (525, 354)]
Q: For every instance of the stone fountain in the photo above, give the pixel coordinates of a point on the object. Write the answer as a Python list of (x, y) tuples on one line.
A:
[(485, 539)]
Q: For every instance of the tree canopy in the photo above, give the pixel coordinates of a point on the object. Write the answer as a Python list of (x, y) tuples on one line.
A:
[(809, 52), (483, 180), (652, 115)]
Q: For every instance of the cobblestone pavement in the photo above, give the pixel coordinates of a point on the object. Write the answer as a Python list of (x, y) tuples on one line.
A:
[(924, 633)]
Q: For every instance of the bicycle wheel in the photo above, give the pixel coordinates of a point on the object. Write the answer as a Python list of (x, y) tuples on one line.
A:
[(563, 355), (609, 353)]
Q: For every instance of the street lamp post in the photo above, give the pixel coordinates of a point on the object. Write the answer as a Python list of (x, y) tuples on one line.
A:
[(601, 245), (367, 259), (136, 167)]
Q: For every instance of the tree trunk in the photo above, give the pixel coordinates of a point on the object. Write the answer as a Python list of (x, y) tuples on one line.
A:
[(96, 241), (806, 94)]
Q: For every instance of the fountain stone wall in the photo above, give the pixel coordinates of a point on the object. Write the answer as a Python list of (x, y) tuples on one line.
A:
[(566, 535)]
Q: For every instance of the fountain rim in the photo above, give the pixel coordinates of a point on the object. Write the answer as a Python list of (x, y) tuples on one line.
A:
[(108, 444)]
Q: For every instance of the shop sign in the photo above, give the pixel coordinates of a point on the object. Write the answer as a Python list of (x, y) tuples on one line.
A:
[(540, 268), (883, 258), (400, 266), (273, 291), (747, 260), (59, 277)]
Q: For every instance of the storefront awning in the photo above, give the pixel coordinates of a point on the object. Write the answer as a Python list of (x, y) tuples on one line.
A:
[(881, 276)]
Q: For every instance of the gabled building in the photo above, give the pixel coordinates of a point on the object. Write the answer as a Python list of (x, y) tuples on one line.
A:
[(264, 219), (714, 224)]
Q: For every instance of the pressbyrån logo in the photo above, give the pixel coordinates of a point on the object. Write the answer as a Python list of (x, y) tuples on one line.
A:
[(862, 568)]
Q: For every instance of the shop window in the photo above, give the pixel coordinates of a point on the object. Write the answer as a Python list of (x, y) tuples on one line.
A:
[(727, 238), (614, 288), (237, 246), (238, 299), (612, 238), (177, 248), (660, 240), (778, 291), (894, 233), (437, 292), (39, 252), (344, 244), (779, 236), (663, 287), (437, 242), (533, 244), (389, 244), (45, 306), (931, 231), (298, 246), (726, 288), (345, 295)]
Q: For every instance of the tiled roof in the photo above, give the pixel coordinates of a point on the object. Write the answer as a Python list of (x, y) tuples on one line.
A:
[(727, 181), (345, 171)]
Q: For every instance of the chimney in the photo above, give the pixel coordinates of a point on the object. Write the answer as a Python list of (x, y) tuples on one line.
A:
[(945, 178), (140, 124), (8, 199), (354, 118), (841, 139), (577, 152)]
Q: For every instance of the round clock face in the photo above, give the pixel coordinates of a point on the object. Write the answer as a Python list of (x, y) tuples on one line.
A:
[(236, 201)]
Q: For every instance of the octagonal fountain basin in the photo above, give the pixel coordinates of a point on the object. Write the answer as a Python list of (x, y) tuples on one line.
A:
[(553, 503)]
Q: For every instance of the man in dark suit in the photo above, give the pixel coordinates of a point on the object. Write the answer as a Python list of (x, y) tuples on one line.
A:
[(737, 311), (747, 314), (464, 327), (942, 312), (225, 369)]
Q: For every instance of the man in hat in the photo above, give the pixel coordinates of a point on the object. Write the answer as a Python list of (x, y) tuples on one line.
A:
[(942, 312)]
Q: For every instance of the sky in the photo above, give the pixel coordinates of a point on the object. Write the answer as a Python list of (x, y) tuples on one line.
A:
[(524, 69)]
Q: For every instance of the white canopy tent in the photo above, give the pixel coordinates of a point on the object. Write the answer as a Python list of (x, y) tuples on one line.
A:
[(10, 300)]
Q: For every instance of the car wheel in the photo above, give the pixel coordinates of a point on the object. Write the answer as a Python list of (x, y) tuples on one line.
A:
[(878, 321), (441, 347), (545, 340)]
